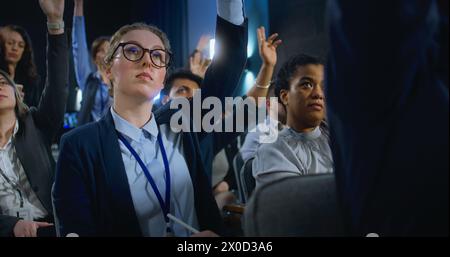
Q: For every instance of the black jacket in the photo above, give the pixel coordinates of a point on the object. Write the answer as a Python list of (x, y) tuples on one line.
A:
[(92, 85), (38, 128)]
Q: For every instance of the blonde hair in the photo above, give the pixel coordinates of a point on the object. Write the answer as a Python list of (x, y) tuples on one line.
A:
[(115, 39), (21, 109)]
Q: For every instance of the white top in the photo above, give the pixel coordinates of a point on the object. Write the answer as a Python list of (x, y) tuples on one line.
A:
[(10, 199), (293, 154), (266, 132), (148, 210)]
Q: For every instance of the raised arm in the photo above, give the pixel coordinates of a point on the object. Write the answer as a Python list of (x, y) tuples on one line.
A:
[(82, 63), (71, 201), (268, 53), (224, 73), (50, 112)]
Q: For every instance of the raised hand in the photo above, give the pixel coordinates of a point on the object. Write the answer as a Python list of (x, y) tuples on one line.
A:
[(198, 64), (53, 9), (267, 48), (203, 42)]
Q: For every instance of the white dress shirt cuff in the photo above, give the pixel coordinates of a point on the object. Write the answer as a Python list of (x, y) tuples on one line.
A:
[(231, 10)]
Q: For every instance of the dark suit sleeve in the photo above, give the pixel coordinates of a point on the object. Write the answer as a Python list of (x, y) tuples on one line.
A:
[(221, 78), (7, 224), (49, 115), (246, 116), (71, 202), (224, 73)]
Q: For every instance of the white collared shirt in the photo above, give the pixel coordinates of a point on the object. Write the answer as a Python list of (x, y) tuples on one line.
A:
[(293, 154), (267, 130), (146, 205), (12, 169)]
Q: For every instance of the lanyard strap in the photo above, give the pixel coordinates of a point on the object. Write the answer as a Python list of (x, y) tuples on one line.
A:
[(165, 205), (102, 101), (14, 185)]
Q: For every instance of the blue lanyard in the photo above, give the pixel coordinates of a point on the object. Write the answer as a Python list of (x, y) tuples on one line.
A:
[(165, 205), (102, 100)]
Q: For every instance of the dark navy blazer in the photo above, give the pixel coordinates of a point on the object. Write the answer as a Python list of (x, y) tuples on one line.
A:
[(388, 114)]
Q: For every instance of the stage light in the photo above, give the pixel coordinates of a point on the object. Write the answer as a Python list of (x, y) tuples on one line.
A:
[(79, 97), (249, 80), (157, 97), (212, 44)]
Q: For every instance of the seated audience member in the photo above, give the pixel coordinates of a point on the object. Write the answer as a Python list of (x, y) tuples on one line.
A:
[(183, 83), (303, 146), (89, 70), (124, 174), (26, 163), (18, 62), (388, 110)]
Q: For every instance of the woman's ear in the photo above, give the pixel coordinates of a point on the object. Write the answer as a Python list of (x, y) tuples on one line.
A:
[(284, 96), (107, 71)]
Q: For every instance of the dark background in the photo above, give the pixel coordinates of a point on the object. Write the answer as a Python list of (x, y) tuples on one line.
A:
[(300, 23), (103, 18)]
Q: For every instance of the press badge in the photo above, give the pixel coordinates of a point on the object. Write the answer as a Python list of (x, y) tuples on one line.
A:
[(22, 213)]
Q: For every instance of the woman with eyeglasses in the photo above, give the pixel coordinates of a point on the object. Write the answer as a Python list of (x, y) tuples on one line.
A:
[(26, 163), (126, 174)]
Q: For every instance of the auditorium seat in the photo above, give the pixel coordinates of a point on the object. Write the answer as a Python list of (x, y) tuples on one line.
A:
[(295, 206)]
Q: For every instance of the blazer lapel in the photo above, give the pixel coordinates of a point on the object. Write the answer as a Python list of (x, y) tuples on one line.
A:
[(125, 218), (32, 158)]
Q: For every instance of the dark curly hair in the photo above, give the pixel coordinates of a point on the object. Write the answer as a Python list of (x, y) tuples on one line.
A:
[(180, 74), (289, 68)]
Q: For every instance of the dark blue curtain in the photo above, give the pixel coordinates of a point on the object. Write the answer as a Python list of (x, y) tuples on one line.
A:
[(171, 17)]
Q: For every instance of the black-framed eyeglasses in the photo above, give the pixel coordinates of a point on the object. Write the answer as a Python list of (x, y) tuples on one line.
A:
[(134, 53)]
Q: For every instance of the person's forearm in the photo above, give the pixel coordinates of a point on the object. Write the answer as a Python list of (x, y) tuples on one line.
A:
[(80, 52), (78, 8), (262, 82)]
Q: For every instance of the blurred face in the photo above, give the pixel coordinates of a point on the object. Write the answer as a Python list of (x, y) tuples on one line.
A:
[(140, 80), (101, 53), (14, 46), (7, 96), (183, 88), (304, 101)]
